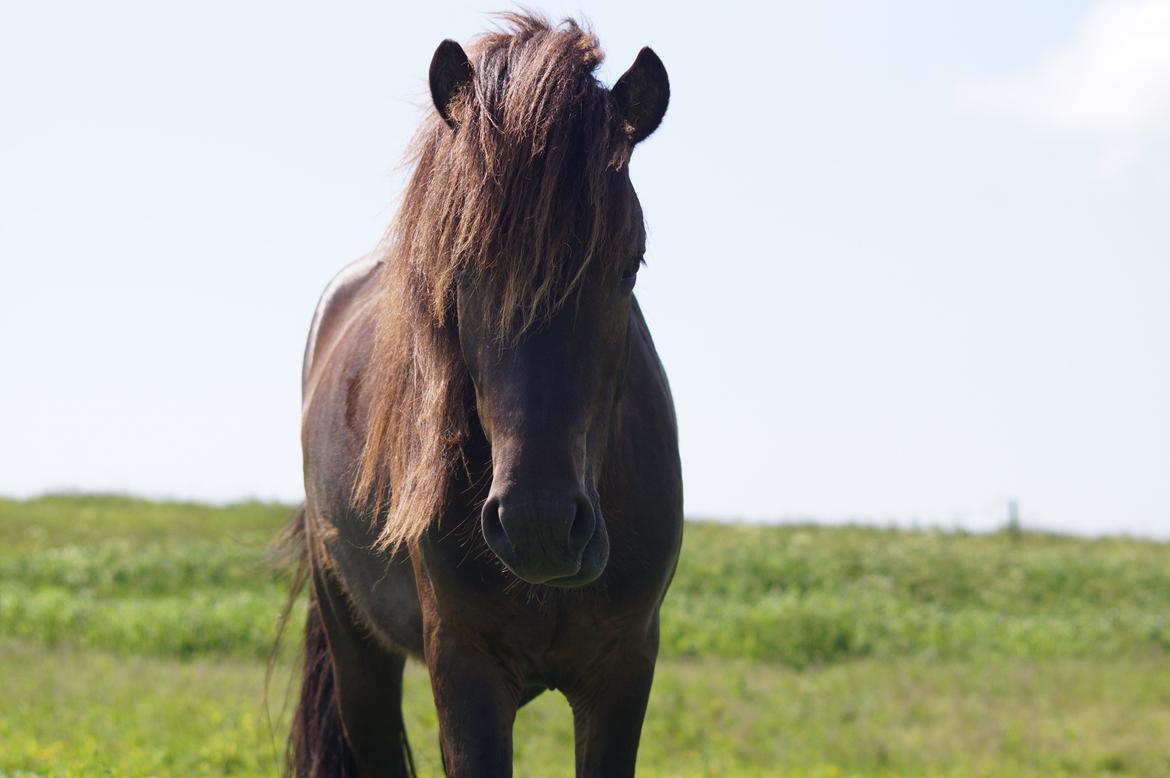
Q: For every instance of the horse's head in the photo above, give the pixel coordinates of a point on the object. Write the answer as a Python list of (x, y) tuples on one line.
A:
[(546, 373)]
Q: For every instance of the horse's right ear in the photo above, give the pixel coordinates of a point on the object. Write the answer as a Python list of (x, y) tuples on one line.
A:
[(450, 72)]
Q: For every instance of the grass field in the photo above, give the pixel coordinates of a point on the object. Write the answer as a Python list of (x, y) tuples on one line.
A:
[(133, 638)]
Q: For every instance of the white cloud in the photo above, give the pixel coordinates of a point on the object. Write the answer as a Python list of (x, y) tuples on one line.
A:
[(1112, 81)]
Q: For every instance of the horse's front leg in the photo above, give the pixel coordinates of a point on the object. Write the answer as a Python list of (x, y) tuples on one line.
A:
[(476, 698), (476, 704), (609, 705)]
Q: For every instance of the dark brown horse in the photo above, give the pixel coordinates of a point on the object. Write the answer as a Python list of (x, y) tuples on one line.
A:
[(491, 460)]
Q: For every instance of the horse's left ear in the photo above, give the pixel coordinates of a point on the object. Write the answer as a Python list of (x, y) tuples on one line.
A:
[(642, 94), (450, 71)]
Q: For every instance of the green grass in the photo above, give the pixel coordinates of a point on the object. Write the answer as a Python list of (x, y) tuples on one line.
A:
[(181, 580), (803, 595), (78, 712), (133, 636)]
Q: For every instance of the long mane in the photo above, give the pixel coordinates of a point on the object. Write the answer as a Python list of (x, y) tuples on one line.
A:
[(519, 200)]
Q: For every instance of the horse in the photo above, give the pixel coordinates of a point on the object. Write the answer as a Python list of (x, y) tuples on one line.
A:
[(491, 465)]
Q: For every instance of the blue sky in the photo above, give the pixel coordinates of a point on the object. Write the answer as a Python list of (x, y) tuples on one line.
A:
[(907, 260)]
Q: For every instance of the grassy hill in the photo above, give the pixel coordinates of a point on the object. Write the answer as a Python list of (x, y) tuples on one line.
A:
[(133, 636)]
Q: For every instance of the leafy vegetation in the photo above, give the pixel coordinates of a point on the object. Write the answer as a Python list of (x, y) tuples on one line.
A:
[(803, 595), (133, 636)]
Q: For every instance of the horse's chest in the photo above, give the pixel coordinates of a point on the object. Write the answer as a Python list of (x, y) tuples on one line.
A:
[(541, 634)]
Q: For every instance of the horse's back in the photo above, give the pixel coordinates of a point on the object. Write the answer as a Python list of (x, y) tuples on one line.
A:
[(336, 307)]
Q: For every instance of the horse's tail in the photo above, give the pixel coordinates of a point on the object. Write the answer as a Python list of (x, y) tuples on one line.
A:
[(317, 747)]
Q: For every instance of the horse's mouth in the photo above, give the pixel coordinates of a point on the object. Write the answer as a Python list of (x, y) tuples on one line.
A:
[(575, 581)]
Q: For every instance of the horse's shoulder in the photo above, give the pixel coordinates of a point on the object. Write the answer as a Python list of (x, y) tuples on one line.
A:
[(336, 305)]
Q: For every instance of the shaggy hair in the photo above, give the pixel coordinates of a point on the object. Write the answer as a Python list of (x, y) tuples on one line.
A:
[(519, 200)]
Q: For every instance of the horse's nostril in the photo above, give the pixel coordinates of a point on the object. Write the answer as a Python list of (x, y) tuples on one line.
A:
[(493, 528), (582, 526)]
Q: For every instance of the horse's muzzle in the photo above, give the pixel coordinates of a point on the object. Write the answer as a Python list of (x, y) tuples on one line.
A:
[(557, 540)]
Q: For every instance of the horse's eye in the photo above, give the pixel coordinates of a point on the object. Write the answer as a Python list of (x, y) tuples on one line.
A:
[(630, 274)]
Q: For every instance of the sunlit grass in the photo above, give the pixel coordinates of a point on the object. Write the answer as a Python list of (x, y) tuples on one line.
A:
[(176, 579), (76, 712), (133, 636)]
